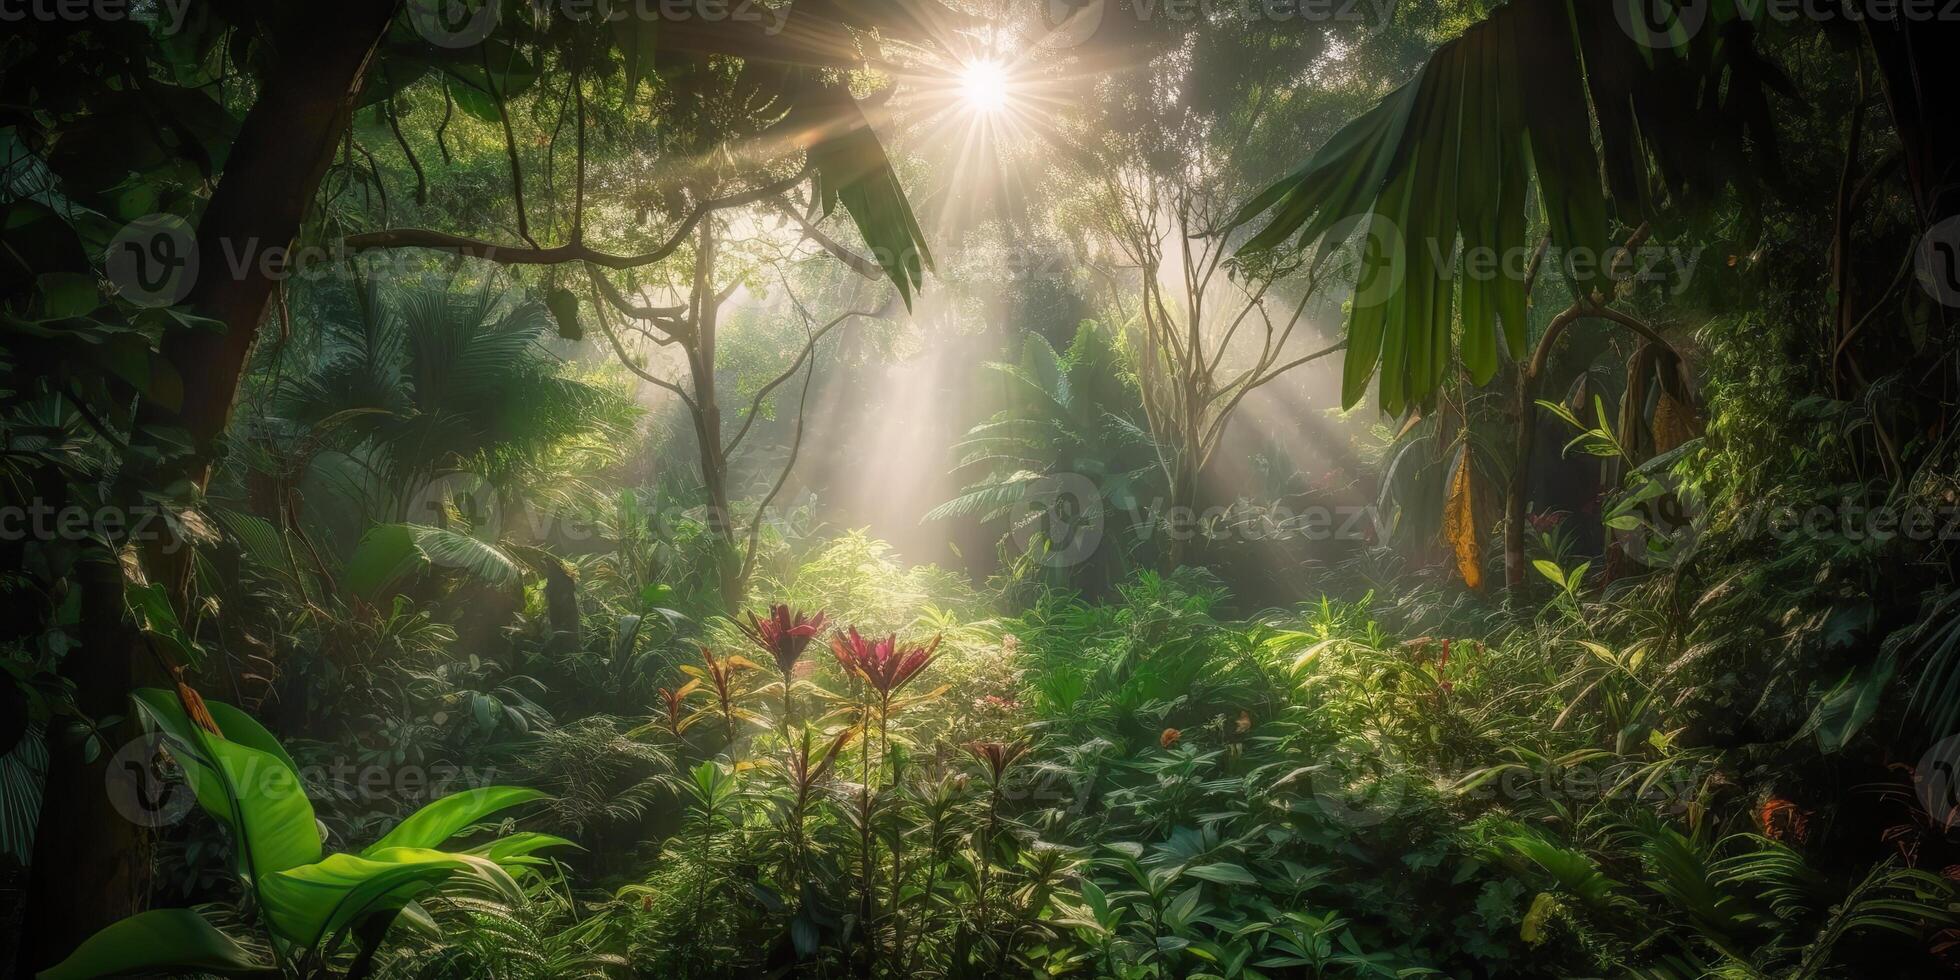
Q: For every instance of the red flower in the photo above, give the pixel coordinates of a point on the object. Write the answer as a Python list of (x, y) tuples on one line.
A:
[(1169, 738), (1546, 521), (883, 664), (675, 702), (785, 634)]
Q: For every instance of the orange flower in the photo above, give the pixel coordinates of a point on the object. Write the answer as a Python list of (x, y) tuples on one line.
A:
[(1169, 738), (1784, 821)]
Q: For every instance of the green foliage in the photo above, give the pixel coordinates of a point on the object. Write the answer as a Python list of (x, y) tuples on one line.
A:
[(1072, 417), (1514, 96), (309, 905)]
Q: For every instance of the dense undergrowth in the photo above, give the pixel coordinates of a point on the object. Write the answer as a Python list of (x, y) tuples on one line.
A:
[(605, 558), (1155, 786)]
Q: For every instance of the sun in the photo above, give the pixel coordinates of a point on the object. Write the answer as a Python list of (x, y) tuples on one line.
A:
[(983, 86)]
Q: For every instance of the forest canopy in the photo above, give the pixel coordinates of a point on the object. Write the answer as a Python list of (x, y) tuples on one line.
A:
[(961, 488)]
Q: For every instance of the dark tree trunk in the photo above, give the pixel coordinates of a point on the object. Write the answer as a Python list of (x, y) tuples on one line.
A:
[(561, 607), (282, 152), (1918, 73), (707, 426), (91, 865)]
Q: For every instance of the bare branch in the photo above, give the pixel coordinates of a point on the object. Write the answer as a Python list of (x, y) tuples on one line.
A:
[(808, 351), (1210, 441), (858, 263), (605, 327), (795, 449), (668, 319), (573, 251)]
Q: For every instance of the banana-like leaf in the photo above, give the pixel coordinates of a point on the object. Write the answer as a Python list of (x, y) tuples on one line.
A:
[(1444, 160), (312, 904), (389, 551), (153, 941), (255, 792), (851, 167), (447, 817), (385, 553), (517, 849), (246, 779)]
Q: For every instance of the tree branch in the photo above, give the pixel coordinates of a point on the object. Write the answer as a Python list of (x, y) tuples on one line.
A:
[(858, 263), (795, 449), (573, 251), (808, 351), (669, 319), (605, 327)]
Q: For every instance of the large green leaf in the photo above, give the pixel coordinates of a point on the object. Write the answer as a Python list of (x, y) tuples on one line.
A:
[(149, 942), (461, 552), (149, 605), (312, 904), (512, 850), (389, 551), (446, 817), (257, 793), (1447, 157), (385, 553), (852, 168)]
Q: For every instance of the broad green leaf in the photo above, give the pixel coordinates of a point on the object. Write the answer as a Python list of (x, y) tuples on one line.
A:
[(311, 904), (446, 817), (256, 793), (154, 941), (149, 603), (516, 849), (461, 552), (1452, 152), (1223, 873), (384, 553), (852, 168)]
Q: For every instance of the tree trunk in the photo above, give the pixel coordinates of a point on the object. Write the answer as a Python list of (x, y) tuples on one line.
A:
[(274, 167), (1182, 523), (1918, 75), (1514, 493), (91, 864), (707, 425), (272, 170)]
